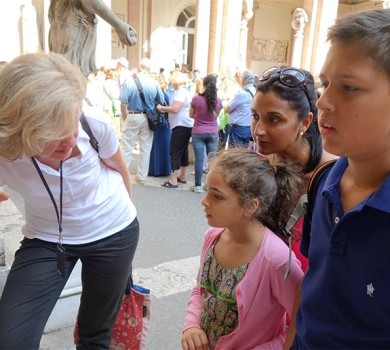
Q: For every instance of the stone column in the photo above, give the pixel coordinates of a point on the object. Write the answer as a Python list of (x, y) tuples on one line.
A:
[(103, 41), (298, 23), (231, 28), (321, 15), (309, 34), (215, 36), (30, 36), (201, 45), (134, 15), (45, 25), (247, 14)]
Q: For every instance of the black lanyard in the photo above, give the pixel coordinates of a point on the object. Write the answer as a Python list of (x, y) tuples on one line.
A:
[(60, 248), (59, 213)]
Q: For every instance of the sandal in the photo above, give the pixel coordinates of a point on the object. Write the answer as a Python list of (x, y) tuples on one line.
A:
[(181, 181), (167, 184)]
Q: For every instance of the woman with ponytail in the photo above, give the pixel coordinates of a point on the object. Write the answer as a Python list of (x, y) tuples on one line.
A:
[(204, 109)]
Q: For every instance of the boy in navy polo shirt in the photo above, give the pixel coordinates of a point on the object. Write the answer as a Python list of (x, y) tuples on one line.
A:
[(345, 297)]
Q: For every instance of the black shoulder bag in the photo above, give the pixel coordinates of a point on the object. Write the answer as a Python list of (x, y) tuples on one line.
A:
[(153, 115)]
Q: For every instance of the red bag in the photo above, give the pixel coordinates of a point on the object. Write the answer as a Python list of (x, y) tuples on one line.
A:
[(132, 323)]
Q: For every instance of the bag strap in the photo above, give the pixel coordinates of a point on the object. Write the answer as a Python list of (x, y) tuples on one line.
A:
[(305, 205), (92, 139), (107, 94), (250, 92), (312, 188), (306, 202), (140, 90)]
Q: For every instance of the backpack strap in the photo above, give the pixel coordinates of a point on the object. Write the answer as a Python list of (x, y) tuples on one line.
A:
[(92, 139)]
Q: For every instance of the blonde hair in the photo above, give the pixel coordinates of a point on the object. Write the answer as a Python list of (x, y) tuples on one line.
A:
[(40, 95), (178, 78)]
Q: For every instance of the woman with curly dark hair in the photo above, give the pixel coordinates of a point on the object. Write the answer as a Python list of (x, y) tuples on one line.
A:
[(204, 109)]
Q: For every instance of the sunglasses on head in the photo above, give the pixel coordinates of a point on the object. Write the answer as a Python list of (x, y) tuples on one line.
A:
[(291, 77)]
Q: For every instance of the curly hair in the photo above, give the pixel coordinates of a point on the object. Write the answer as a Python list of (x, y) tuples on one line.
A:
[(210, 91), (40, 95), (251, 176)]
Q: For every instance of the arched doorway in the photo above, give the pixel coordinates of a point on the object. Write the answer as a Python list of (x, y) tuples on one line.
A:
[(186, 29)]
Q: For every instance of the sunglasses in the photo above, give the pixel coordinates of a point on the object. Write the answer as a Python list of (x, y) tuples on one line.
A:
[(291, 77)]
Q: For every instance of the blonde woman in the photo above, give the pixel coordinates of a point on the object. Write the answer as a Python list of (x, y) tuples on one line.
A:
[(70, 192), (181, 125)]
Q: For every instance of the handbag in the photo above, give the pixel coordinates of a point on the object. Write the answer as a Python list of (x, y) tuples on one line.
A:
[(132, 323), (153, 115), (154, 118)]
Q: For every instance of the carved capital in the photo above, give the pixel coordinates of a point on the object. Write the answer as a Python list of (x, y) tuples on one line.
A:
[(299, 20), (247, 10)]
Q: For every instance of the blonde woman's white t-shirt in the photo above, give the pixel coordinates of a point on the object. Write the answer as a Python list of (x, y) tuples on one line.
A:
[(182, 117), (95, 202)]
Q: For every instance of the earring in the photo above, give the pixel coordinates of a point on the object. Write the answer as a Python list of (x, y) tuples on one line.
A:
[(301, 133)]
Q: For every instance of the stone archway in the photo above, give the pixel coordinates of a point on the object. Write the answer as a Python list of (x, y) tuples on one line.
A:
[(185, 23)]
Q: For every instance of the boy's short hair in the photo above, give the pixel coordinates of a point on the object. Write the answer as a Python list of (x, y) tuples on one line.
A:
[(370, 30)]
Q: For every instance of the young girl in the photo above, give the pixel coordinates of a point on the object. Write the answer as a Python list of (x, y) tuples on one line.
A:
[(241, 298)]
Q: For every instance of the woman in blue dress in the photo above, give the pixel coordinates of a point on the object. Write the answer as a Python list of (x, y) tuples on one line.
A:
[(160, 163)]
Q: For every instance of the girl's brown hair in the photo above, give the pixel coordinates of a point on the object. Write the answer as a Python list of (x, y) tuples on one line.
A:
[(251, 176)]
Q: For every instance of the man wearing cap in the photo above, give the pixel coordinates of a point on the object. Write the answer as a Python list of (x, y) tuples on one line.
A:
[(240, 115), (135, 124)]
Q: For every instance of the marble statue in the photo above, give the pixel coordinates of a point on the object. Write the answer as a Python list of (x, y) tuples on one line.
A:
[(73, 30)]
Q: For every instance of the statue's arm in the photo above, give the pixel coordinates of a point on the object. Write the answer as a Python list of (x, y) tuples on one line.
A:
[(127, 35)]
